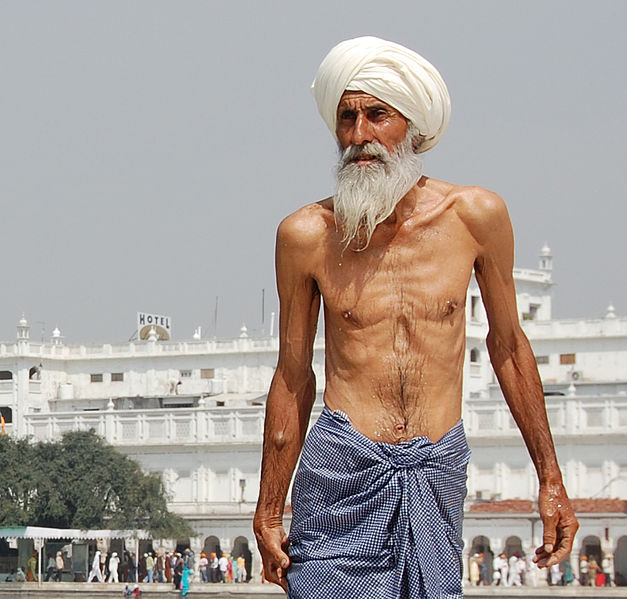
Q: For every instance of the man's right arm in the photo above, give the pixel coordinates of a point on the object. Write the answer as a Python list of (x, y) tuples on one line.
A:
[(292, 391)]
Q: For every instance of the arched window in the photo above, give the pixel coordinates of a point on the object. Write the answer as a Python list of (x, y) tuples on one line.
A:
[(474, 355), (240, 547), (7, 413), (591, 549), (482, 553), (212, 545), (212, 550), (182, 545), (513, 546)]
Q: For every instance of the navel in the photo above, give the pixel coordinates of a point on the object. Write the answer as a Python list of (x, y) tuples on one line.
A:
[(400, 432)]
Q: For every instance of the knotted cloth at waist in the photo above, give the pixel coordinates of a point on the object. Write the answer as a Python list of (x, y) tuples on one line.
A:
[(376, 520)]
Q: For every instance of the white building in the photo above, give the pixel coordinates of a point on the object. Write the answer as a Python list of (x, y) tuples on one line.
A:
[(193, 410)]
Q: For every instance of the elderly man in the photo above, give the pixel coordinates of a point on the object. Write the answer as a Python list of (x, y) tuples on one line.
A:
[(378, 496)]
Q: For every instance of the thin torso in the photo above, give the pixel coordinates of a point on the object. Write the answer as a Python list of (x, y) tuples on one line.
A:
[(395, 320)]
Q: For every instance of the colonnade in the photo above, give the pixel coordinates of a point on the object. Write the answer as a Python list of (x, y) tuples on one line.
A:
[(609, 549)]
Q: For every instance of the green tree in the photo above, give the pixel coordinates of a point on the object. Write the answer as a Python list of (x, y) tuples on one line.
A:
[(17, 481), (82, 482)]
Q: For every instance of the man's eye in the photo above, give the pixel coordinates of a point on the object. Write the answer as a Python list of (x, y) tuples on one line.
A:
[(347, 115), (377, 114)]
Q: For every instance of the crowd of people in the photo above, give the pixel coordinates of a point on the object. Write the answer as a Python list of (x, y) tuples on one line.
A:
[(175, 568), (168, 567), (591, 573), (514, 571), (226, 568), (54, 569), (507, 572), (178, 569)]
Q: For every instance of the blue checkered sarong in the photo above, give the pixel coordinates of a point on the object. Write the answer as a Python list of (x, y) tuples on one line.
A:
[(376, 520)]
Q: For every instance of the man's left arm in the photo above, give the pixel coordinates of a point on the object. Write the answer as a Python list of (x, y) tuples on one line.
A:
[(515, 367)]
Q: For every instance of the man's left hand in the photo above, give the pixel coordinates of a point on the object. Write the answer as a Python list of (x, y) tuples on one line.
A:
[(560, 525)]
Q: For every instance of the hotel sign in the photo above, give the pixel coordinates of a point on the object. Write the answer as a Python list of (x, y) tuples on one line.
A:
[(162, 325)]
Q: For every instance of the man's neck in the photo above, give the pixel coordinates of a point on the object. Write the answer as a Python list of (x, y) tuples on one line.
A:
[(408, 204)]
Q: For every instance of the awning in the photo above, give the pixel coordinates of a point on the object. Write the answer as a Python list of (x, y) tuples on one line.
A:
[(42, 532)]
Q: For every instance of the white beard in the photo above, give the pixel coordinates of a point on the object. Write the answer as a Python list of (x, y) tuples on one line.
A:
[(367, 195)]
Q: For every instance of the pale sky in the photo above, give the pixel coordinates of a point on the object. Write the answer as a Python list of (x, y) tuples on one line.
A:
[(150, 148)]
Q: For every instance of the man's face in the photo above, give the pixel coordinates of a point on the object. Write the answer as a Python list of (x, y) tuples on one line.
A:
[(362, 118), (371, 180)]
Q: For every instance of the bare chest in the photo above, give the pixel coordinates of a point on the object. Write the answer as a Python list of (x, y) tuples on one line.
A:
[(417, 283)]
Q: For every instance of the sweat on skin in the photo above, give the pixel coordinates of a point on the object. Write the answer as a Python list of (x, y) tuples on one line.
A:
[(394, 306)]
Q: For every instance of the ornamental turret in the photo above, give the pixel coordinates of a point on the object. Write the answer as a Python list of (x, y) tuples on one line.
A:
[(546, 258), (57, 339), (23, 330), (611, 312)]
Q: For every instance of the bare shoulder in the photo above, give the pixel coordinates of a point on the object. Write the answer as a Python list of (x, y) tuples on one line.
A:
[(482, 211), (306, 227)]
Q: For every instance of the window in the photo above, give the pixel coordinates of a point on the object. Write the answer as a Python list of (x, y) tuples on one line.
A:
[(542, 359), (186, 374), (533, 312), (474, 307), (207, 373), (96, 378), (7, 413), (117, 377), (567, 358), (474, 355)]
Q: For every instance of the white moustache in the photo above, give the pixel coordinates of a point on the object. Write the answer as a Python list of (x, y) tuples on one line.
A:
[(368, 150)]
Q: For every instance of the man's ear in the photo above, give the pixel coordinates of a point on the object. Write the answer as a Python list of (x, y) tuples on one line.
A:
[(417, 141)]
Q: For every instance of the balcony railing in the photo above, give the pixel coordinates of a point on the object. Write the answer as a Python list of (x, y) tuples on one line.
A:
[(567, 416), (224, 425), (180, 426)]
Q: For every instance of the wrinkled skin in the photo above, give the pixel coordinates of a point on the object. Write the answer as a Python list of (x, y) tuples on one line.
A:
[(560, 525), (395, 331), (273, 543)]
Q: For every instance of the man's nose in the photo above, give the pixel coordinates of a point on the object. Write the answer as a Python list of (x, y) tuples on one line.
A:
[(362, 131)]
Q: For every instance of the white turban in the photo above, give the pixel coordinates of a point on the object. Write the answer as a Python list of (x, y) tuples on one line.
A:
[(390, 72)]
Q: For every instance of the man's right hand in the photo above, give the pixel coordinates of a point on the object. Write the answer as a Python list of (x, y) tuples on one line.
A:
[(273, 543)]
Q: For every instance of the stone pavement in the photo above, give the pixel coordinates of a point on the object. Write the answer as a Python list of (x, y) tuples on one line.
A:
[(81, 590)]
